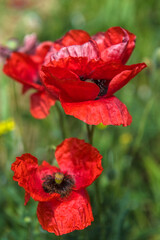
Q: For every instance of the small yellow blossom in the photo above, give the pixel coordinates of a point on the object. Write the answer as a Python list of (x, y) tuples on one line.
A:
[(7, 126), (125, 138)]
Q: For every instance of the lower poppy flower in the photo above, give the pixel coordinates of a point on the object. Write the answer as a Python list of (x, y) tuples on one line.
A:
[(64, 204)]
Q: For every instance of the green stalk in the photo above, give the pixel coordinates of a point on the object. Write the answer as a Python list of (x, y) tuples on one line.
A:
[(61, 121)]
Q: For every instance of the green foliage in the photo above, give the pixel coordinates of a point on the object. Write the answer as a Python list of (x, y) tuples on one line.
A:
[(129, 196)]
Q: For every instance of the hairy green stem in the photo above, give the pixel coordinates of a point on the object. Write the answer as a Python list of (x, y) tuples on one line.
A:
[(90, 132)]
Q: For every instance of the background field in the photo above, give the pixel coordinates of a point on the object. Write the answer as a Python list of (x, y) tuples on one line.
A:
[(129, 187)]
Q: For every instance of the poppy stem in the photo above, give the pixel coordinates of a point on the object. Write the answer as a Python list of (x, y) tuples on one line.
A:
[(90, 131), (61, 121)]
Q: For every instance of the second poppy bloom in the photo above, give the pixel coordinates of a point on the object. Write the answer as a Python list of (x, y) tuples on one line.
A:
[(23, 65), (64, 204)]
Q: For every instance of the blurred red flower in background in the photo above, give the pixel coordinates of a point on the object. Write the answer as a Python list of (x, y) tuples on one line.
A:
[(64, 204), (23, 65), (86, 75)]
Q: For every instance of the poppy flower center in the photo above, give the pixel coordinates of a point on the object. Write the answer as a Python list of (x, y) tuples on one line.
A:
[(101, 83), (58, 183)]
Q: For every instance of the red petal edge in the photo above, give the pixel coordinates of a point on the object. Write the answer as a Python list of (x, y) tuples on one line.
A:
[(65, 216), (80, 160), (109, 111)]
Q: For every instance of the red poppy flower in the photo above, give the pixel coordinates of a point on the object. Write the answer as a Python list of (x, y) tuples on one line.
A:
[(64, 204), (24, 66), (86, 76)]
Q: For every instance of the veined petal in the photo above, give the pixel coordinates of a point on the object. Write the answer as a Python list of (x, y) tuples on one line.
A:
[(79, 159), (109, 111), (88, 50), (64, 216)]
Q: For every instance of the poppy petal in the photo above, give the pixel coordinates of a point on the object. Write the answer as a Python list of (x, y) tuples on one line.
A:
[(41, 103), (130, 46), (30, 176), (21, 68), (42, 49), (88, 50), (112, 36), (79, 159), (114, 52), (109, 111), (116, 36), (64, 216), (124, 77), (68, 84), (73, 37)]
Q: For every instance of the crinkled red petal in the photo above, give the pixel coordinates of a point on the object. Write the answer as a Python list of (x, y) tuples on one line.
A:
[(21, 68), (30, 176), (116, 36), (88, 50), (24, 165), (73, 37), (109, 111), (66, 215), (80, 160), (121, 79), (68, 84), (41, 103)]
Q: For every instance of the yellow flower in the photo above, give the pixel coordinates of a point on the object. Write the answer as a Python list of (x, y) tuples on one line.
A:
[(125, 138), (7, 126)]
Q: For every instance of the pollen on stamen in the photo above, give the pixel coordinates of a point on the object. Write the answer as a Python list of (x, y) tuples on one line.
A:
[(58, 183)]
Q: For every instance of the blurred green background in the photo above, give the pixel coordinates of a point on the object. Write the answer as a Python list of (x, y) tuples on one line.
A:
[(129, 187)]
